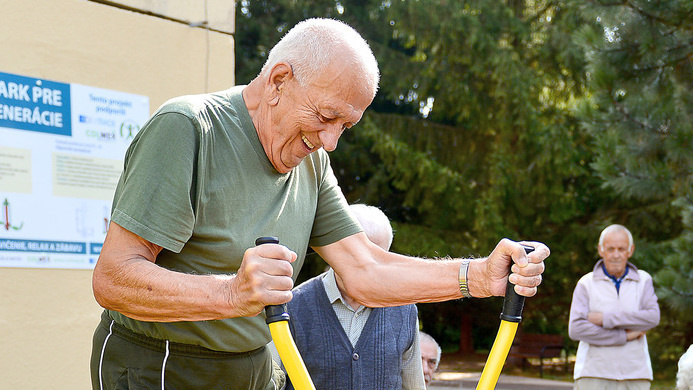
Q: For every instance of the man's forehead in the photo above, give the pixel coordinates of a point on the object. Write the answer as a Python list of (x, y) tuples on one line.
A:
[(617, 235), (428, 349)]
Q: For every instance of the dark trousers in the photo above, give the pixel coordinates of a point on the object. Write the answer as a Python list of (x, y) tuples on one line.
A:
[(122, 359)]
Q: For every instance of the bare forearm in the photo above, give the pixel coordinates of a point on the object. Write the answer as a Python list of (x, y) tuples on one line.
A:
[(377, 278), (404, 280), (128, 280), (145, 291)]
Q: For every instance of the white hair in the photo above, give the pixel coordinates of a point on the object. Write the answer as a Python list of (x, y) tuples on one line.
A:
[(425, 337), (313, 43), (615, 228), (375, 224), (684, 378)]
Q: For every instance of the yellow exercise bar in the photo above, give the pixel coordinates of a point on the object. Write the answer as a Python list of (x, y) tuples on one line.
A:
[(496, 358), (510, 319), (293, 363), (278, 322)]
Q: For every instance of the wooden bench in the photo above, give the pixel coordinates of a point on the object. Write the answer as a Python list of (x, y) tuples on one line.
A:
[(533, 345)]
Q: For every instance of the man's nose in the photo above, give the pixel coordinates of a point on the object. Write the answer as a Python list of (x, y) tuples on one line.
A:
[(330, 137)]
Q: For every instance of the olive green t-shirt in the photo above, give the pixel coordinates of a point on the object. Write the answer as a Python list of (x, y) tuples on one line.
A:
[(197, 182)]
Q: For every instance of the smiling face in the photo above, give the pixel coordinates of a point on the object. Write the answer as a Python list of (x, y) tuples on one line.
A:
[(304, 118), (616, 250)]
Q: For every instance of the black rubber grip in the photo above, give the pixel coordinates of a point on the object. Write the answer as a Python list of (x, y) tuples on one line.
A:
[(514, 302), (273, 313), (266, 240)]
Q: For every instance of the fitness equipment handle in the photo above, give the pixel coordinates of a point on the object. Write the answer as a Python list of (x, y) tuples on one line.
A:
[(514, 303), (274, 313), (278, 322), (510, 319)]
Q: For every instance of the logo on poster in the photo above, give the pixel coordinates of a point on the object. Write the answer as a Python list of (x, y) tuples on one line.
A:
[(128, 130)]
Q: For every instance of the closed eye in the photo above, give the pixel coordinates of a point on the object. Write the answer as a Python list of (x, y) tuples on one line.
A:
[(324, 118)]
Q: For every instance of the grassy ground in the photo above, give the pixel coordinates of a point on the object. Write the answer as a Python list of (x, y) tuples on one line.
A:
[(553, 368)]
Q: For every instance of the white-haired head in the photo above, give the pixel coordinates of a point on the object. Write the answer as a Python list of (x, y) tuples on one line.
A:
[(375, 224), (427, 338), (615, 228), (313, 43)]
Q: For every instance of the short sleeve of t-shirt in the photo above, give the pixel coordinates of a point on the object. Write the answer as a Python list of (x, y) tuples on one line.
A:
[(160, 165)]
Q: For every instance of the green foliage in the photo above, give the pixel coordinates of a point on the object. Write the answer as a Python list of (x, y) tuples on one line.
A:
[(676, 277), (665, 343)]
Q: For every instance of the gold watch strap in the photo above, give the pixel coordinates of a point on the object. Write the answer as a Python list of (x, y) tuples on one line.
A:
[(464, 286)]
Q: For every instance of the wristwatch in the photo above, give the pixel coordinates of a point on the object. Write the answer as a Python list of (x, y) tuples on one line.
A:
[(464, 286)]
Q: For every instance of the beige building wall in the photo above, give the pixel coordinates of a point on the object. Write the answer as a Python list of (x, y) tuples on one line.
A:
[(47, 316)]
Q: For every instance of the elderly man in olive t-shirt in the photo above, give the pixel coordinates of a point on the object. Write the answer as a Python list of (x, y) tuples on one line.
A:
[(184, 286)]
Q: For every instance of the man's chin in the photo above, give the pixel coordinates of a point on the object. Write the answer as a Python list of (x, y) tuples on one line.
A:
[(283, 168)]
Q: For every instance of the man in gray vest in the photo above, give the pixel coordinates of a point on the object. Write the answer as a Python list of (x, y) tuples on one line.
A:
[(346, 345)]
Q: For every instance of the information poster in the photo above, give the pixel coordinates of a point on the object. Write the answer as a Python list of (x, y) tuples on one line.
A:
[(61, 155)]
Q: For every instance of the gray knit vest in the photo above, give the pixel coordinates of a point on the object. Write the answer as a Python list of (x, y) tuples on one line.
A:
[(376, 361)]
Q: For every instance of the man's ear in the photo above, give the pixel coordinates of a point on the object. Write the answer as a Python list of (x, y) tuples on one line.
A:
[(278, 77), (631, 251)]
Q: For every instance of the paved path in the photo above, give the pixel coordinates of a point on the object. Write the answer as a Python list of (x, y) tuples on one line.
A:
[(459, 380)]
